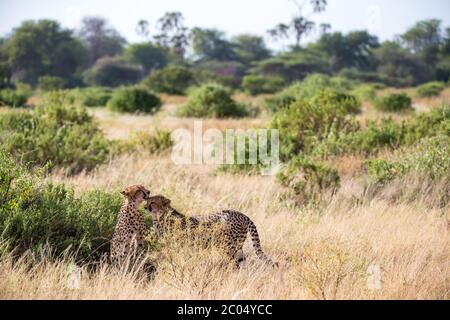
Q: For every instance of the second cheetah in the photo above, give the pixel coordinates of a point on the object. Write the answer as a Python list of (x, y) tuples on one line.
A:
[(233, 225)]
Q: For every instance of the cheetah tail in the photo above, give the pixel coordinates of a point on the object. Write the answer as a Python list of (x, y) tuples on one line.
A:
[(257, 244)]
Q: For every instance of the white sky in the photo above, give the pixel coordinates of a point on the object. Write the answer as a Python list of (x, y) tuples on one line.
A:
[(385, 18)]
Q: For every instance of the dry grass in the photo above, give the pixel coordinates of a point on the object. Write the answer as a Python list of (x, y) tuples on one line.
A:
[(324, 252)]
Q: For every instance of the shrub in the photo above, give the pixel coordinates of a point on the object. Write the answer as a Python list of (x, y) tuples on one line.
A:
[(91, 97), (158, 142), (367, 92), (251, 156), (65, 135), (308, 179), (430, 156), (212, 101), (50, 83), (307, 122), (430, 89), (255, 85), (308, 88), (134, 99), (172, 79), (386, 134), (35, 214), (13, 98), (394, 102), (112, 72)]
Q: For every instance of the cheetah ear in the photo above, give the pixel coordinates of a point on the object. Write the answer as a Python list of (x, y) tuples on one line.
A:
[(166, 202), (126, 192)]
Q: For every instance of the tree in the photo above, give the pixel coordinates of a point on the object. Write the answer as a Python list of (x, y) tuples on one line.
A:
[(147, 55), (5, 70), (293, 66), (172, 33), (353, 50), (210, 44), (44, 48), (300, 25), (425, 39), (250, 49), (112, 72), (100, 39), (400, 67), (142, 29)]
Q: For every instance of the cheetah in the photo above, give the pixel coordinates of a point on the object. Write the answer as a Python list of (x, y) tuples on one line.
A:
[(233, 227), (127, 243)]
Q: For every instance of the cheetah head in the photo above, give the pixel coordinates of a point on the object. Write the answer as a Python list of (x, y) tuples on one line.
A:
[(157, 204), (136, 193)]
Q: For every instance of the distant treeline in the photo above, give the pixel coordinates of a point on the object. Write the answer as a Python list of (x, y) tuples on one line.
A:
[(45, 54)]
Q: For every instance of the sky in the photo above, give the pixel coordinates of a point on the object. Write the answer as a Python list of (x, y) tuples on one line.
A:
[(385, 18)]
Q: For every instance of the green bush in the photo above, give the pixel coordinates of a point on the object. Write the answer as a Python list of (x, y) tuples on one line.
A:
[(255, 85), (430, 89), (55, 132), (242, 164), (430, 156), (50, 83), (387, 134), (367, 92), (158, 142), (212, 101), (394, 102), (13, 98), (306, 122), (308, 179), (172, 79), (91, 97), (308, 88), (112, 72), (134, 99), (34, 214)]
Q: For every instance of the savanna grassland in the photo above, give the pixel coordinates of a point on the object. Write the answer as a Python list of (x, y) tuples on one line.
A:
[(327, 234)]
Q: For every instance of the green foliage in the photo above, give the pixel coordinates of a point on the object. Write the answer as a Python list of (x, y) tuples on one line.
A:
[(147, 55), (55, 132), (255, 85), (306, 122), (227, 73), (43, 47), (112, 72), (248, 156), (430, 89), (13, 98), (292, 66), (50, 83), (249, 48), (210, 44), (308, 88), (387, 134), (134, 99), (212, 101), (399, 67), (430, 156), (308, 179), (91, 97), (34, 214), (367, 92), (394, 102), (156, 143), (173, 79)]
